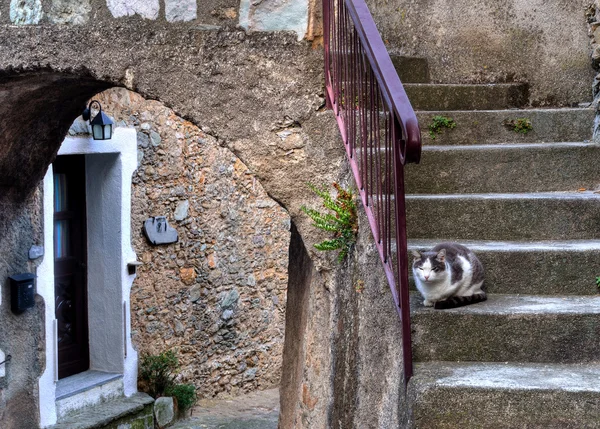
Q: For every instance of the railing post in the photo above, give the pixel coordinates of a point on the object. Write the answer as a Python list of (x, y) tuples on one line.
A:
[(402, 253), (326, 46)]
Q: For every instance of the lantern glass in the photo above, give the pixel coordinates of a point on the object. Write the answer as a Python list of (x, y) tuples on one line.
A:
[(97, 132), (107, 131)]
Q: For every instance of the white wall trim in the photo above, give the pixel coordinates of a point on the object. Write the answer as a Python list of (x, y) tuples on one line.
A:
[(45, 288), (111, 164)]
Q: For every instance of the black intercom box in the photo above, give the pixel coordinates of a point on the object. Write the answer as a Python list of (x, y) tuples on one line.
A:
[(22, 292)]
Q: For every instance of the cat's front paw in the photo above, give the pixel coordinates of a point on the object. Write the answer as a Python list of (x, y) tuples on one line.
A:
[(428, 303)]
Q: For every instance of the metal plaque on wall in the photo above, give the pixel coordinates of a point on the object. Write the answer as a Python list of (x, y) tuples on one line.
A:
[(158, 231)]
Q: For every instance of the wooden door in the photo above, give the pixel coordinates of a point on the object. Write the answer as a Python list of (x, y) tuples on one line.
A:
[(70, 260)]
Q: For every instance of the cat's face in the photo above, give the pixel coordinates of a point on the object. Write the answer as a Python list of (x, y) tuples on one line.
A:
[(429, 266)]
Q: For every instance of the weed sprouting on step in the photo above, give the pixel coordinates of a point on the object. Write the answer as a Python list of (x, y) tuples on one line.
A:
[(343, 223), (438, 123), (519, 125)]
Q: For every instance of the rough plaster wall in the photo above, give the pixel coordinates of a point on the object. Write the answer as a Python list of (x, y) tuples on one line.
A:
[(21, 336), (543, 42), (352, 375)]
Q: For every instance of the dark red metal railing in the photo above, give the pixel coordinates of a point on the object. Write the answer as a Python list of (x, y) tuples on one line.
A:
[(380, 132)]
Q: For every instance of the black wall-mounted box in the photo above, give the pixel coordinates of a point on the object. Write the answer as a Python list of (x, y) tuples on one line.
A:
[(22, 292)]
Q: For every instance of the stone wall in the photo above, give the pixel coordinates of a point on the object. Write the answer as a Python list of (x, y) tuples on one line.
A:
[(218, 296), (267, 15), (542, 42)]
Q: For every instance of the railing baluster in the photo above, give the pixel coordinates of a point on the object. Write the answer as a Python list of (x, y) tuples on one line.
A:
[(361, 86)]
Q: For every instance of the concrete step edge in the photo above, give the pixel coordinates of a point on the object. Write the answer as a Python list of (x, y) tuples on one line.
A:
[(509, 376), (467, 85), (492, 146), (498, 305), (102, 414), (510, 146), (515, 246), (510, 111), (584, 195)]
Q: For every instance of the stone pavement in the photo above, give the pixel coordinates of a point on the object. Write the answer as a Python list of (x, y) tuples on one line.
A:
[(257, 410)]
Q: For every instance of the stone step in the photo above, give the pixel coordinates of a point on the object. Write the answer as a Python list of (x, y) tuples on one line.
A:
[(429, 96), (498, 168), (411, 69), (134, 411), (509, 328), (540, 268), (501, 217), (500, 396), (488, 126)]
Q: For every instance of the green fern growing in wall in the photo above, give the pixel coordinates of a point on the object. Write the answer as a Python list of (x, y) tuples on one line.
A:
[(598, 282), (343, 222)]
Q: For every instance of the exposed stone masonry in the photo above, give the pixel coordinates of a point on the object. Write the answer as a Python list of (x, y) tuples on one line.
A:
[(219, 294)]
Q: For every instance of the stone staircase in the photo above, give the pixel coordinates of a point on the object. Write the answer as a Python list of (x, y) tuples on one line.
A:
[(529, 357)]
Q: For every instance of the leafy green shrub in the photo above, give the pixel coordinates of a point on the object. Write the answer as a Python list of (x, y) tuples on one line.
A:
[(157, 372), (185, 394), (438, 123), (343, 223)]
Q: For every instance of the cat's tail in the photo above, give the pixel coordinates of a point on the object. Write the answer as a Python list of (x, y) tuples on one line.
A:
[(459, 301)]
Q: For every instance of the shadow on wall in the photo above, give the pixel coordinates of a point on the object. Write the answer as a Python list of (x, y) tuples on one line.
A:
[(300, 273), (36, 110)]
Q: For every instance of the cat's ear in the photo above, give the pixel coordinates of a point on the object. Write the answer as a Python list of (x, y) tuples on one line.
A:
[(441, 256), (417, 254)]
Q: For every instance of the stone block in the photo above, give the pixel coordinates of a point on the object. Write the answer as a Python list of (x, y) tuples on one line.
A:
[(70, 11), (275, 15), (147, 9), (164, 411), (36, 252), (188, 275), (180, 10), (25, 12), (181, 211)]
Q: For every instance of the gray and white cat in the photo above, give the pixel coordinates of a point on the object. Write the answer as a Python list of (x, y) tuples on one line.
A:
[(448, 276)]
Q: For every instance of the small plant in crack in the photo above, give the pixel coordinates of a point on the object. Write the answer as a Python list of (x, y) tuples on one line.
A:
[(438, 123), (519, 125), (342, 221)]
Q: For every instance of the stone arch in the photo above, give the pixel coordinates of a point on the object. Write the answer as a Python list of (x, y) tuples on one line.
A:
[(36, 110), (270, 116)]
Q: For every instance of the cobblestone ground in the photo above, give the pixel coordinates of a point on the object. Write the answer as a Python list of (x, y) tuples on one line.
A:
[(257, 410)]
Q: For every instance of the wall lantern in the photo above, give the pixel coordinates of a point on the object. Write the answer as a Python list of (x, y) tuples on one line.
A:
[(101, 124)]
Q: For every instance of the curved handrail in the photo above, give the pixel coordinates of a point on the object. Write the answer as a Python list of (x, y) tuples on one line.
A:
[(380, 133), (387, 77)]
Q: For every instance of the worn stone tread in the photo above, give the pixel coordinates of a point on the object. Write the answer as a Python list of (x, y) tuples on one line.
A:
[(105, 413), (448, 395), (517, 246), (509, 328), (556, 167), (505, 216), (432, 96), (477, 127), (513, 376), (498, 305), (508, 265)]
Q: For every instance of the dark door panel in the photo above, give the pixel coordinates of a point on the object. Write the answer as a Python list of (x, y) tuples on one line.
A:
[(70, 260)]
